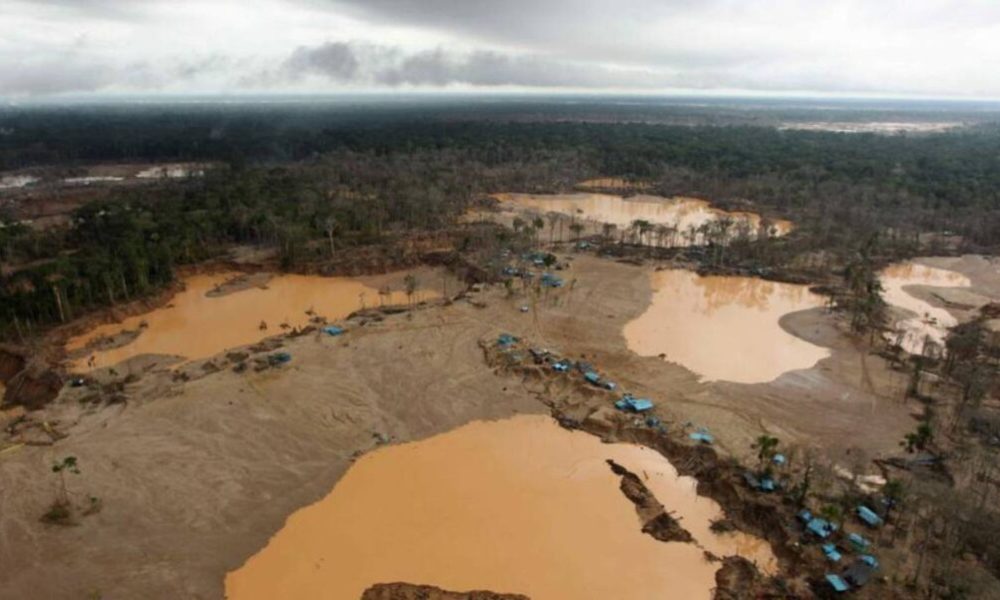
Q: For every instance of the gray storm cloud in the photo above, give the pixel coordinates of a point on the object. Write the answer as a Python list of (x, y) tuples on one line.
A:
[(368, 64), (918, 47)]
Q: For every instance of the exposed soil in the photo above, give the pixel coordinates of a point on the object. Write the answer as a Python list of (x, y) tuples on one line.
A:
[(406, 591), (197, 467)]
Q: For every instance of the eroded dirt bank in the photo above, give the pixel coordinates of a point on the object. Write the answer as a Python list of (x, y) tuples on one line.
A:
[(406, 591), (195, 476)]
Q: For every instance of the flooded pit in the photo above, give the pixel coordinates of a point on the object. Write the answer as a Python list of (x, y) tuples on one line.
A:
[(724, 328), (195, 325), (928, 322), (517, 506), (685, 218)]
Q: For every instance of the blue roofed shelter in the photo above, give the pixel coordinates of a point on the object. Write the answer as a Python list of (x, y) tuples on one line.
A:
[(831, 552), (868, 516), (821, 527), (838, 584)]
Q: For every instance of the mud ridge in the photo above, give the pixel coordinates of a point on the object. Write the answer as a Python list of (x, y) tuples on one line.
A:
[(656, 521), (406, 591)]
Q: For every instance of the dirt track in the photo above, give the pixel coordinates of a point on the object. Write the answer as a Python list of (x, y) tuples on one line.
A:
[(194, 477)]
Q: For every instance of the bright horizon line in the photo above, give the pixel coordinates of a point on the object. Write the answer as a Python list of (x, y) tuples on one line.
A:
[(479, 94)]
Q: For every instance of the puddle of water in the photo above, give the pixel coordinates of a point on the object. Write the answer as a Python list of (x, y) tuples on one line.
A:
[(684, 215), (198, 326), (724, 328), (518, 506), (930, 321)]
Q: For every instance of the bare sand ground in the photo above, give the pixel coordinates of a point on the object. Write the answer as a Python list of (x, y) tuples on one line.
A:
[(196, 476), (984, 274)]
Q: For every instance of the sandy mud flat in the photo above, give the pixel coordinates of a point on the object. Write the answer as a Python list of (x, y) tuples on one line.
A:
[(198, 468)]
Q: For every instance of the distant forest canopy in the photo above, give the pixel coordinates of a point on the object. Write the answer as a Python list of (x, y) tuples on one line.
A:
[(308, 180)]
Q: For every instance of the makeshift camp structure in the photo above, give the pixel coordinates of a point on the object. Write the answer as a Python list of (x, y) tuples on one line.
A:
[(630, 403), (831, 552), (868, 516), (838, 584)]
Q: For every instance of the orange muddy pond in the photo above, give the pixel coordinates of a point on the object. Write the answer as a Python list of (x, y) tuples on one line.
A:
[(724, 328), (928, 322), (683, 215), (517, 506), (195, 325)]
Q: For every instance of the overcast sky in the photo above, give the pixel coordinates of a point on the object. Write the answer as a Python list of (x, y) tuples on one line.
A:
[(938, 48)]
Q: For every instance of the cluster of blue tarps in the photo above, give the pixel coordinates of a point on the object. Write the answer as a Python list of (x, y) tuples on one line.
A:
[(818, 526), (632, 404), (506, 339)]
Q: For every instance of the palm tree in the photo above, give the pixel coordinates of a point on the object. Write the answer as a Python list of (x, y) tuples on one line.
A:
[(766, 449)]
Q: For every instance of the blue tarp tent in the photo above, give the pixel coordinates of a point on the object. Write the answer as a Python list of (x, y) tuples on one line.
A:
[(868, 516), (821, 527), (870, 560), (858, 541), (838, 584), (333, 330), (592, 377), (703, 436), (779, 459), (633, 404), (561, 367), (506, 339), (831, 552), (805, 516)]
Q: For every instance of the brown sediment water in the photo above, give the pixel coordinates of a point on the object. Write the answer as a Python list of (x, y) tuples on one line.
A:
[(518, 506), (195, 325), (684, 216), (929, 322), (724, 328)]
